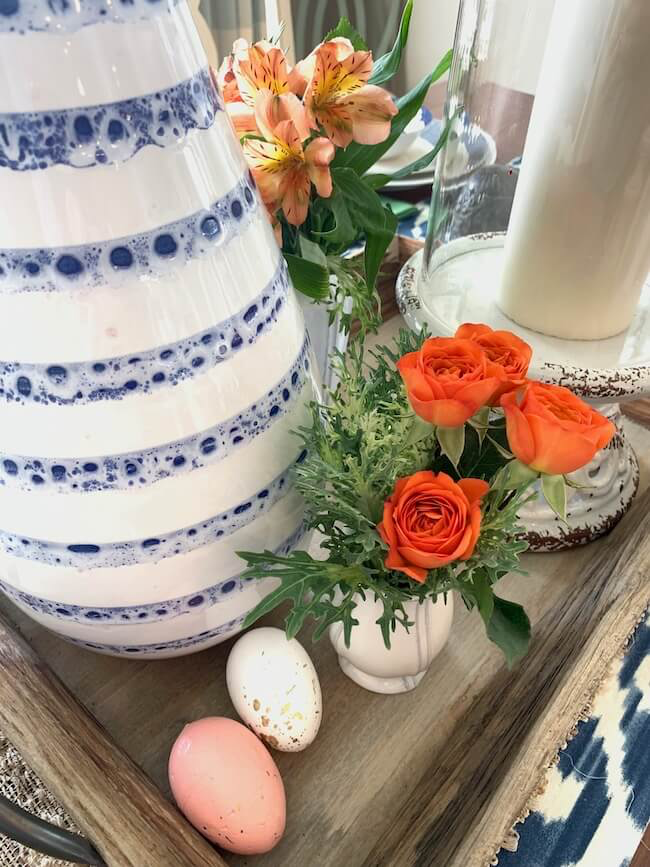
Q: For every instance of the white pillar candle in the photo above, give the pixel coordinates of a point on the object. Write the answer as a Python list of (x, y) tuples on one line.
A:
[(578, 246)]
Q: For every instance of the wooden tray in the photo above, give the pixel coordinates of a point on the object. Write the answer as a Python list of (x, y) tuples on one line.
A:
[(435, 777)]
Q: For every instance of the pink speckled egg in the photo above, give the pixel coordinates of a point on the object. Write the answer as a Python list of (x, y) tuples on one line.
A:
[(228, 786)]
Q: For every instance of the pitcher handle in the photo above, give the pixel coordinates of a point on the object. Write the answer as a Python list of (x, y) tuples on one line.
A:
[(29, 830)]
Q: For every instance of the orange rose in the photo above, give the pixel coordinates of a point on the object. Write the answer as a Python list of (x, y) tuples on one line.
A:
[(508, 356), (447, 380), (431, 520), (551, 430)]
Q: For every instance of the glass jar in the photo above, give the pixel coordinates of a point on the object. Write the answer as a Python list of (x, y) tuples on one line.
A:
[(543, 223)]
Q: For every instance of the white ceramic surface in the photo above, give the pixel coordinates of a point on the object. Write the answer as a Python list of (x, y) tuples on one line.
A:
[(374, 667), (151, 368)]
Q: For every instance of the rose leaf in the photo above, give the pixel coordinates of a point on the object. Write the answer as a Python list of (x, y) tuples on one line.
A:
[(502, 451), (452, 442), (554, 490), (481, 423), (420, 430), (509, 629), (519, 474)]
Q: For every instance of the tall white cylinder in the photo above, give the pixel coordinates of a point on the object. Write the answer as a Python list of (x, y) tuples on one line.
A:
[(578, 246)]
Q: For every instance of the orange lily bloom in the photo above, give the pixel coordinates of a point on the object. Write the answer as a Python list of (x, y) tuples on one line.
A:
[(339, 99), (283, 169)]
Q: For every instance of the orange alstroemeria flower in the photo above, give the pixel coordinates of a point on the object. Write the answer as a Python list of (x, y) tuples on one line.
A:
[(508, 356), (247, 71), (338, 97), (283, 169), (429, 521), (551, 430), (226, 79), (447, 380), (263, 66)]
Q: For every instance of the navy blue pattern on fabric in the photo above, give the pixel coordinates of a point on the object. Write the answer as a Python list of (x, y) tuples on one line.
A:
[(596, 803)]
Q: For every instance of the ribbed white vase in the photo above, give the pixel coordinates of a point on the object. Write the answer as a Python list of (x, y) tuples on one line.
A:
[(153, 358), (368, 662)]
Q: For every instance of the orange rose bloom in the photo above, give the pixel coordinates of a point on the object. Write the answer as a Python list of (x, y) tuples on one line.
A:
[(551, 430), (447, 380), (508, 356), (431, 520)]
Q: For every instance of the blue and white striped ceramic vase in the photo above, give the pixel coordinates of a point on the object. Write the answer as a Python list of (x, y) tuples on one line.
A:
[(153, 358)]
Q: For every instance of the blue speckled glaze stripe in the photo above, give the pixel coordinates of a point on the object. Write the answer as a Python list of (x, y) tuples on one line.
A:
[(110, 133), (65, 16), (120, 472), (87, 554), (131, 258), (116, 378), (153, 612), (164, 646)]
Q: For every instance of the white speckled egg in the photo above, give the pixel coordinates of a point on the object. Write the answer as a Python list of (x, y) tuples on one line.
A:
[(275, 689)]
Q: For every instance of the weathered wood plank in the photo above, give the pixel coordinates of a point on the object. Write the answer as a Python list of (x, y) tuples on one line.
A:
[(638, 411), (642, 855), (105, 793)]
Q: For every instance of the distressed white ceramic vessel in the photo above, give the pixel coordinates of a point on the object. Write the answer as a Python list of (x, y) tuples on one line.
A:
[(153, 358), (368, 662)]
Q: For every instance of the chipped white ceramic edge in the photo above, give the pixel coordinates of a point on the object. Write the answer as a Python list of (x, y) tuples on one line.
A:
[(605, 385)]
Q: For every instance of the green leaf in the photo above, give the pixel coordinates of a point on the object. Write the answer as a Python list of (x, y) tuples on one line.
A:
[(307, 584), (452, 442), (360, 158), (483, 595), (554, 490), (518, 474), (347, 31), (309, 278), (502, 451), (363, 203), (377, 222), (388, 64), (379, 181), (509, 629), (420, 430), (339, 232), (480, 422), (377, 242), (312, 252)]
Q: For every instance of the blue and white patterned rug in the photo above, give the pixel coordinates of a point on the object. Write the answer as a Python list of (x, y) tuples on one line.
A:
[(596, 802)]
